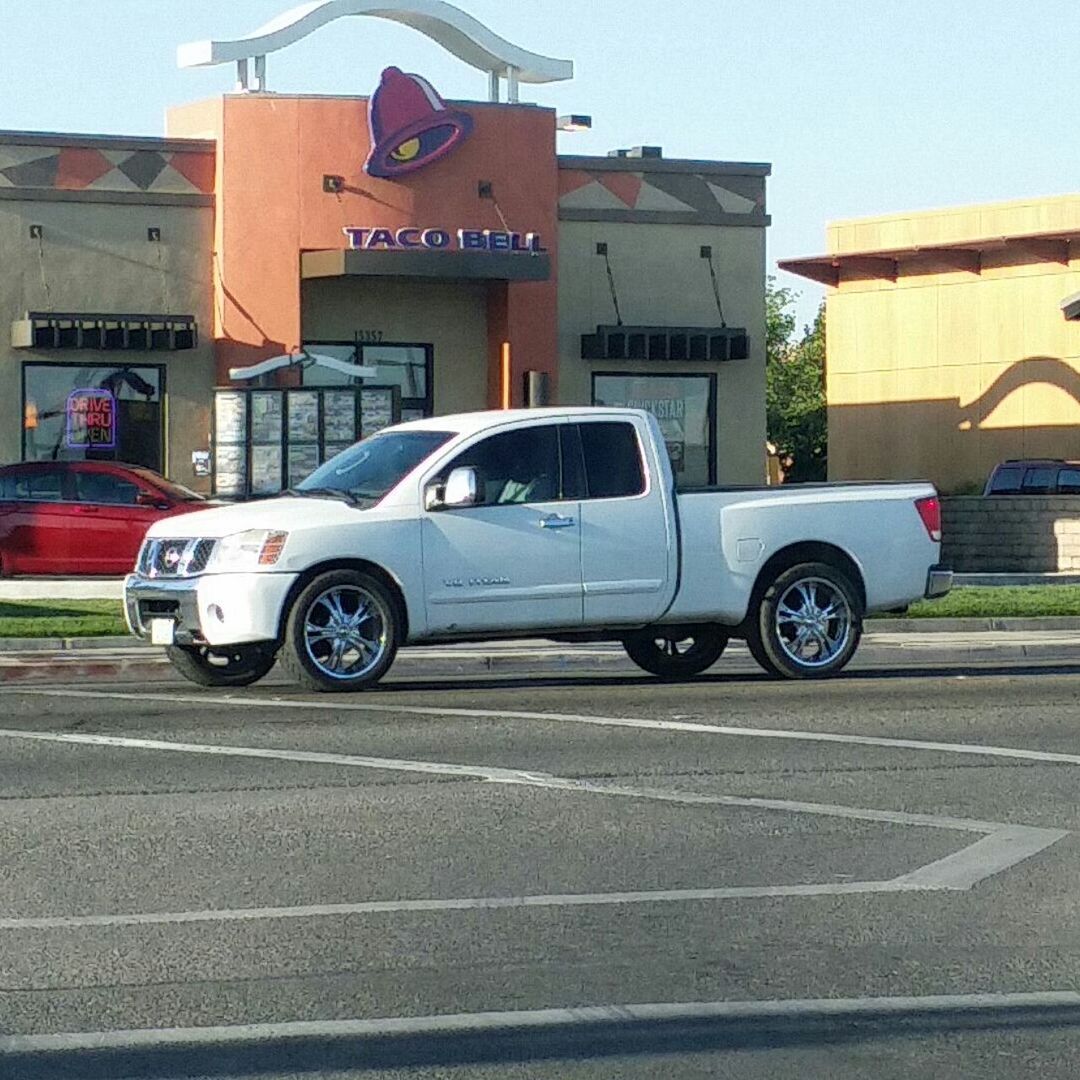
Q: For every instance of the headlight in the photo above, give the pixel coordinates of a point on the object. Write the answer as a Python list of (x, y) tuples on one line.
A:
[(248, 550)]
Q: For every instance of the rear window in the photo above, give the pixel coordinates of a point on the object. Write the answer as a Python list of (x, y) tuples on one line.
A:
[(1069, 481), (1006, 480), (613, 466)]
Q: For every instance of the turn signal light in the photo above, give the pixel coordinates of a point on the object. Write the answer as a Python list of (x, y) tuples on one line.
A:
[(930, 512), (272, 548)]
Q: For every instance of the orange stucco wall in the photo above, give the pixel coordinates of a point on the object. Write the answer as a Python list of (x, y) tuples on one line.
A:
[(273, 152)]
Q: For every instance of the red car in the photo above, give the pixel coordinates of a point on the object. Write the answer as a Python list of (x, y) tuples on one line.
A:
[(81, 517)]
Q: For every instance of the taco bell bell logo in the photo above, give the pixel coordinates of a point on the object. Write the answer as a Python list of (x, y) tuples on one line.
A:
[(411, 126)]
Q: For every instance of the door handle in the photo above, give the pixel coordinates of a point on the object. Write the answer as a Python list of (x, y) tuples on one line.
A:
[(555, 521)]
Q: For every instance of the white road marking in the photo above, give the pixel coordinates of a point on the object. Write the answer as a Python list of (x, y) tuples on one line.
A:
[(1001, 846), (337, 705), (539, 1019), (474, 903)]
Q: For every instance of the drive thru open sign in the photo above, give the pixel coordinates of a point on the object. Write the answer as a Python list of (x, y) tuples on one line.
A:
[(91, 420)]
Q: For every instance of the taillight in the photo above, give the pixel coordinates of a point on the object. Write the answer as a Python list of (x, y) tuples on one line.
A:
[(930, 512)]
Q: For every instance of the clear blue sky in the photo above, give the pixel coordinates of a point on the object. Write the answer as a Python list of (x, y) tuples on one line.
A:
[(862, 107)]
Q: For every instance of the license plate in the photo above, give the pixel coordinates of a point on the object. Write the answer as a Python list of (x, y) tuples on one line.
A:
[(162, 631)]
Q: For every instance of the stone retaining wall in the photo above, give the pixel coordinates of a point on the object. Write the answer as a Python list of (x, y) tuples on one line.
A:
[(1011, 534)]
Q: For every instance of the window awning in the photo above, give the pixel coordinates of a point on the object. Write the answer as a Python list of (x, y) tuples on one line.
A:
[(886, 264)]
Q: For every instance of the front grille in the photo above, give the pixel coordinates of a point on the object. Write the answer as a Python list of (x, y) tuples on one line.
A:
[(175, 558)]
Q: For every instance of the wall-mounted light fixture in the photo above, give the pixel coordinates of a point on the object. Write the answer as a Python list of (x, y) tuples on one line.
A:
[(333, 185), (574, 122)]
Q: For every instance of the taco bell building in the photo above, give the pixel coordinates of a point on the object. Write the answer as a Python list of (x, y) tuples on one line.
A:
[(281, 274)]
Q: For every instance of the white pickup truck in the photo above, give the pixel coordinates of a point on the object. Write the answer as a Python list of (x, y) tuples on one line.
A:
[(558, 523)]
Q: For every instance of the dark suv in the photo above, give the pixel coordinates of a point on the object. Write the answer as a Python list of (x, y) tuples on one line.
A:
[(1035, 476)]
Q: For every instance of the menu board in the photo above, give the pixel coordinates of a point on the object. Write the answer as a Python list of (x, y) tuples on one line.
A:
[(266, 469), (303, 416), (376, 409), (230, 470), (332, 449), (303, 461), (230, 416), (266, 410), (339, 416)]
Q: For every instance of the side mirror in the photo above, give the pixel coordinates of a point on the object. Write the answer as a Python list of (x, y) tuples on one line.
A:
[(462, 489)]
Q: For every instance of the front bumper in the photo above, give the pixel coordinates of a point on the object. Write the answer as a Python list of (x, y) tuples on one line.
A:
[(210, 609), (939, 581)]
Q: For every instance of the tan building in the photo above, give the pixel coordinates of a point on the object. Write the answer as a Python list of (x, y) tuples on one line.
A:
[(953, 341)]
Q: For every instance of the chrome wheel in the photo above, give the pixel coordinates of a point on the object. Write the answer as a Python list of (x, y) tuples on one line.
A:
[(813, 622), (346, 632)]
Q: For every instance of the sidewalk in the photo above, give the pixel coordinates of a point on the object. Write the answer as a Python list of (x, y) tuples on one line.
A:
[(884, 648)]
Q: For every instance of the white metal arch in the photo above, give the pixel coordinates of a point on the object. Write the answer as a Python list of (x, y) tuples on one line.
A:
[(468, 39)]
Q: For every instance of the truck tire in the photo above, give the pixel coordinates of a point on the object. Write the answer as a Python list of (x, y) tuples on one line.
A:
[(808, 623), (680, 657), (342, 632), (232, 665)]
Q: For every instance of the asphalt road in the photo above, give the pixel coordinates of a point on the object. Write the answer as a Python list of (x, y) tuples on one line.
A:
[(428, 877)]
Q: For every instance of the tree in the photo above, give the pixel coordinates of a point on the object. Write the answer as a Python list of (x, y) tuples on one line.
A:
[(795, 387)]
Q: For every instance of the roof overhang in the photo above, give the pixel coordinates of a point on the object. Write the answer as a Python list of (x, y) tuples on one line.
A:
[(967, 256), (430, 265)]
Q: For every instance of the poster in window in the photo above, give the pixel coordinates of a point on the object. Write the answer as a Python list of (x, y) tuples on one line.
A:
[(303, 416), (230, 470), (230, 416), (266, 409), (339, 416), (376, 409), (265, 469), (680, 405), (303, 461)]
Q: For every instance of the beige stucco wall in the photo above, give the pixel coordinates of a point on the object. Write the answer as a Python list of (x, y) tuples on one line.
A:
[(96, 258), (450, 316), (942, 375), (662, 280)]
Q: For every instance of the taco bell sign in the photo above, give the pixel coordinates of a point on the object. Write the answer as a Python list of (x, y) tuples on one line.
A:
[(411, 239)]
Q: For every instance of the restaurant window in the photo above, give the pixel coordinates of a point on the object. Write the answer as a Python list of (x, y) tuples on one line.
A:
[(93, 412), (408, 367), (685, 407)]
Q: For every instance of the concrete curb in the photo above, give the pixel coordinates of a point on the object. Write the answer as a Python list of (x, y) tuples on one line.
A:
[(146, 664)]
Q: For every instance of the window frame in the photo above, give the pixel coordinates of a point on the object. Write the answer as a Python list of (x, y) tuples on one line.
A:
[(710, 409), (426, 403), (163, 421)]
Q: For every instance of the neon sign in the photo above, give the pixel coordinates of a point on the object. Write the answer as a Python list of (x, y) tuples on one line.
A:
[(377, 239), (90, 420)]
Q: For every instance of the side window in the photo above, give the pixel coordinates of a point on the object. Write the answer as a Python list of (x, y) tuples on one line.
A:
[(1069, 481), (1039, 480), (515, 467), (612, 456), (1006, 481), (105, 489)]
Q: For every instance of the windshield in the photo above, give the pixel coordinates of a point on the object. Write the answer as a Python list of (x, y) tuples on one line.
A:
[(373, 467), (176, 492)]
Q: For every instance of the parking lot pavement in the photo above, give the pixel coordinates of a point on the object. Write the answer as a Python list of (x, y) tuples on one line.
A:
[(577, 876)]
